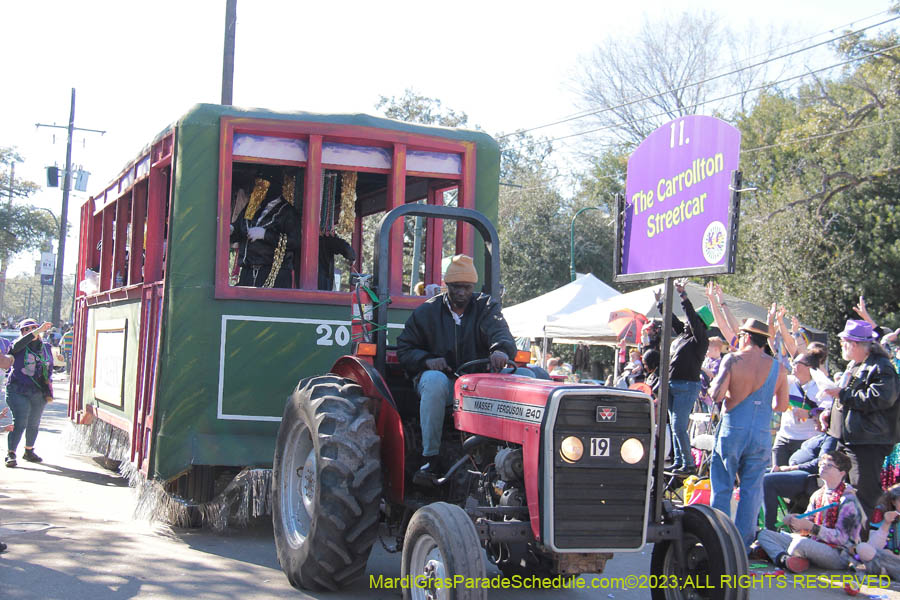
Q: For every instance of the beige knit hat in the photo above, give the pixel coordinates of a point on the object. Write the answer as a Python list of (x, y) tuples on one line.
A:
[(461, 270)]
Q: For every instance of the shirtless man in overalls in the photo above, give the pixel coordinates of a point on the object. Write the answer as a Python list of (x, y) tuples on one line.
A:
[(752, 385)]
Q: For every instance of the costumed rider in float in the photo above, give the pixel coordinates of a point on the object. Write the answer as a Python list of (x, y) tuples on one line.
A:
[(268, 234), (448, 330)]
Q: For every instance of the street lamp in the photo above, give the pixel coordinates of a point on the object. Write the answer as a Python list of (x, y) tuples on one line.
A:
[(572, 239)]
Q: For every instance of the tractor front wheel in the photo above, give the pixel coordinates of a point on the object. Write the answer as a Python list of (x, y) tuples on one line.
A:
[(441, 542), (713, 559), (326, 484)]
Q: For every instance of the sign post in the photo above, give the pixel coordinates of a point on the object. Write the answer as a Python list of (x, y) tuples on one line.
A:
[(679, 218)]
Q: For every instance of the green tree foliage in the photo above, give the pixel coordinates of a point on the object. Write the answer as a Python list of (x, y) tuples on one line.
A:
[(22, 227), (415, 108), (534, 216), (823, 226), (23, 298), (532, 223)]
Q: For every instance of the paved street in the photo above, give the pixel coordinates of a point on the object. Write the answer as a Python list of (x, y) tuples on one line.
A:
[(71, 535)]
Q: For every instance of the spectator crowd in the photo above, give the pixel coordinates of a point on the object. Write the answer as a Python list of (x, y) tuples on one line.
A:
[(811, 451)]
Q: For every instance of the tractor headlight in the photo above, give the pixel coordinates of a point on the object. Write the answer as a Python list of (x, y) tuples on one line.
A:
[(632, 451), (571, 449)]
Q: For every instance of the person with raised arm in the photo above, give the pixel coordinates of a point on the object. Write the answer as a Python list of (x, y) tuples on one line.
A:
[(29, 388)]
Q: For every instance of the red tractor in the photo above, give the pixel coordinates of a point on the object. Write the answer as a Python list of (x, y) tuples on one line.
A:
[(548, 478)]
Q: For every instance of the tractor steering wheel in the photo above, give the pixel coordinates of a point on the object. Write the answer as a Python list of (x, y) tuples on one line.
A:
[(482, 361)]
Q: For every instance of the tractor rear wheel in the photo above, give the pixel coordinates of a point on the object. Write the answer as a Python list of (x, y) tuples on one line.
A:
[(441, 542), (713, 558), (326, 484)]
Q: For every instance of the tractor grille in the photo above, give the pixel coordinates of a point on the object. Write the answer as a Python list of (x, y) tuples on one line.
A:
[(600, 502)]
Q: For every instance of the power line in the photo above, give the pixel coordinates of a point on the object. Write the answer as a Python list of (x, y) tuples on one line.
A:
[(582, 115), (744, 152), (820, 136), (725, 97)]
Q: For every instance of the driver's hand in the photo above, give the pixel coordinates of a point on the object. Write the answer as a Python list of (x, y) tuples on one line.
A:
[(498, 360), (437, 364)]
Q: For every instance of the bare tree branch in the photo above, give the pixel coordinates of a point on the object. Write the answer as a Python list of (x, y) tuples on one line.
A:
[(824, 195), (828, 97)]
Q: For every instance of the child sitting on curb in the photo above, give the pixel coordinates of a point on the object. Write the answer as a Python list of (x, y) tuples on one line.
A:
[(881, 555), (821, 539)]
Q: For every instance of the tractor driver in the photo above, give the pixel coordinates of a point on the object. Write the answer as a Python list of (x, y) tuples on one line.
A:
[(446, 331)]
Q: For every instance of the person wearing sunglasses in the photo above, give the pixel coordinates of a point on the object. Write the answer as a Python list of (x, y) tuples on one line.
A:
[(29, 388)]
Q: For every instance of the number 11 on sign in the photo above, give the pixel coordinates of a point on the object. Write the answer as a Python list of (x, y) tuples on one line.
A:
[(681, 140)]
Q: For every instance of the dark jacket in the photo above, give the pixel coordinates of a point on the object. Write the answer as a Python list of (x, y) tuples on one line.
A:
[(868, 404), (281, 219), (430, 332), (807, 457), (689, 347), (32, 366), (329, 245)]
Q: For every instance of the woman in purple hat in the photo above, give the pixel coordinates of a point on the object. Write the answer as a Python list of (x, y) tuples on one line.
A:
[(28, 389), (865, 416)]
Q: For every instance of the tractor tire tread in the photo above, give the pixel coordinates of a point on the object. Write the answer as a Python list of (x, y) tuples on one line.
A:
[(344, 521)]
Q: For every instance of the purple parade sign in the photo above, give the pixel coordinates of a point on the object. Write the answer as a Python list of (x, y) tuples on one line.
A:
[(677, 200)]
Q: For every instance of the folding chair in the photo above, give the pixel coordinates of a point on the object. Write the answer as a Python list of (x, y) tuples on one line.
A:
[(674, 488), (702, 430)]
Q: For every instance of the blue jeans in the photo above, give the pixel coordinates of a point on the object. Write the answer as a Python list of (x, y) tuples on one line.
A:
[(782, 484), (27, 406), (682, 395), (435, 395)]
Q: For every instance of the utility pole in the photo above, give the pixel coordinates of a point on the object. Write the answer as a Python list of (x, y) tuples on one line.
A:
[(40, 318), (228, 54), (4, 260), (67, 184)]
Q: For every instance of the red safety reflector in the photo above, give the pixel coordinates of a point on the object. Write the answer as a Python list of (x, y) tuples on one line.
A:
[(365, 349)]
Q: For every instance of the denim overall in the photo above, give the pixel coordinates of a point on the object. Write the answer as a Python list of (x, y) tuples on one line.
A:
[(744, 448)]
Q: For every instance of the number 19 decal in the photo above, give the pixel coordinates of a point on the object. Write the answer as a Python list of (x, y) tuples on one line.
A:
[(599, 446)]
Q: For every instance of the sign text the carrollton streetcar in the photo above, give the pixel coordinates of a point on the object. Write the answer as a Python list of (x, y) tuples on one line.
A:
[(678, 198)]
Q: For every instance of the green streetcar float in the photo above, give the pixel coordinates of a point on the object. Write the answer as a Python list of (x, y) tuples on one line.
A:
[(213, 275)]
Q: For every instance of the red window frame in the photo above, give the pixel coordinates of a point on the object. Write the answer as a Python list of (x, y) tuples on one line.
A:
[(315, 134), (137, 197)]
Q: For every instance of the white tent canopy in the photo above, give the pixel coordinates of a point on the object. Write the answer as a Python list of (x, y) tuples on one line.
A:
[(528, 318), (591, 324)]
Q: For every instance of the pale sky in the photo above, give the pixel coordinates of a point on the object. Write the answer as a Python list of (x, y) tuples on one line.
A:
[(138, 66)]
